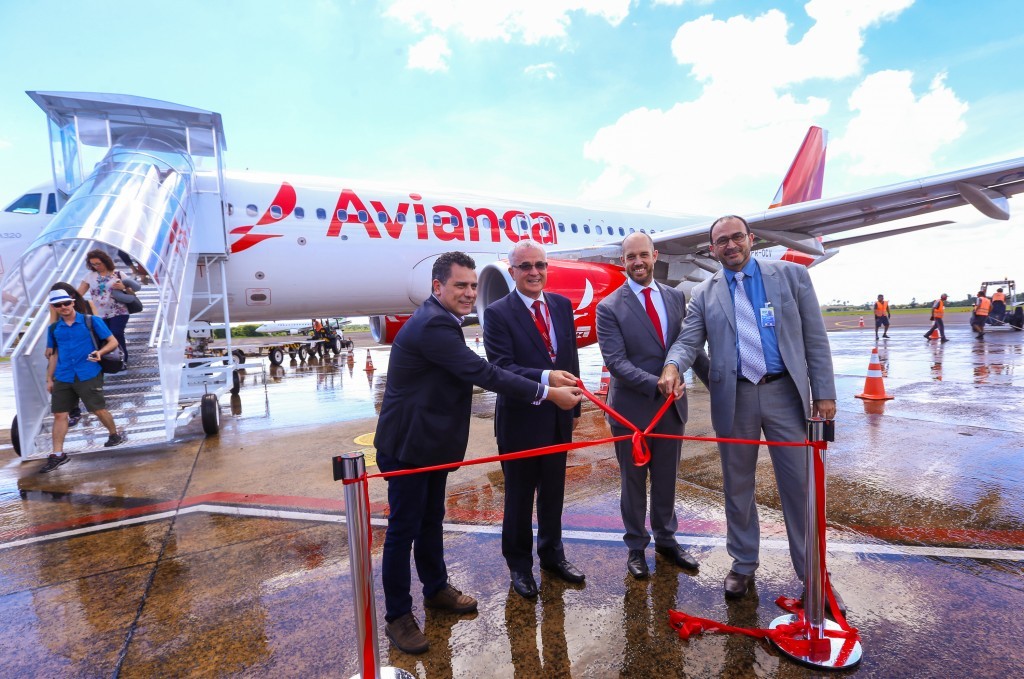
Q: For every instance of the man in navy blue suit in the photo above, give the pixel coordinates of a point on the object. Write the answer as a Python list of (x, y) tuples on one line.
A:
[(424, 421), (531, 333)]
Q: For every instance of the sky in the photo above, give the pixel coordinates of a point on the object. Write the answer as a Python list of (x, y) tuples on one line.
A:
[(689, 105)]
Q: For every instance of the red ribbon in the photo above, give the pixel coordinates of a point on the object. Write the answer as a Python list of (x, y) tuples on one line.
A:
[(792, 637)]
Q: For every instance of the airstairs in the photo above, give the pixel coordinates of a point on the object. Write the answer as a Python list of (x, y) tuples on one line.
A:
[(144, 178)]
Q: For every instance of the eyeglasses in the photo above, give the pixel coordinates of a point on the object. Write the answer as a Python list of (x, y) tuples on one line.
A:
[(737, 238), (526, 266), (60, 305)]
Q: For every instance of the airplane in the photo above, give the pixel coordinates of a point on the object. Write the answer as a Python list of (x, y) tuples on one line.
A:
[(147, 177), (294, 327)]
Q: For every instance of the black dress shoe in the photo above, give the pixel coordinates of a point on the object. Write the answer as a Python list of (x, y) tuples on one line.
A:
[(524, 584), (682, 557), (564, 570), (828, 607), (636, 564), (737, 584)]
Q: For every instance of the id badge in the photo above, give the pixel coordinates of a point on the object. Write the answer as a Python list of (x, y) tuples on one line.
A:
[(767, 316)]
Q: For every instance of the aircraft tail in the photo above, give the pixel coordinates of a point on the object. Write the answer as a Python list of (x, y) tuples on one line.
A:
[(806, 174)]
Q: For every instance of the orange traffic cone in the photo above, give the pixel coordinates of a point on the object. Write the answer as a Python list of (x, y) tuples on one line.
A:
[(369, 362), (351, 357), (606, 380), (874, 388), (861, 322), (935, 334)]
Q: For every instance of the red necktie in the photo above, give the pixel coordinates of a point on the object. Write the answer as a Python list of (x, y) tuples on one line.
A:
[(652, 313), (542, 327)]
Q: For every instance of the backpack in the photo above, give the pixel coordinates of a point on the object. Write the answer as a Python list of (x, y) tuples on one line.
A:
[(110, 363)]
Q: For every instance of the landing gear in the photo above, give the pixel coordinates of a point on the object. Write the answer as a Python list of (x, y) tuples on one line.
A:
[(15, 437), (209, 411)]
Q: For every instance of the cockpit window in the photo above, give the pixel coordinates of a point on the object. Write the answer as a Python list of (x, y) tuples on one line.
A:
[(26, 205), (51, 204)]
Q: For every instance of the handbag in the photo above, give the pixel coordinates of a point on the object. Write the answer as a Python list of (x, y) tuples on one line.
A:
[(111, 362), (127, 296)]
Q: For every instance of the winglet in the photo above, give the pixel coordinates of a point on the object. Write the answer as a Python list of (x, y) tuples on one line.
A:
[(805, 176)]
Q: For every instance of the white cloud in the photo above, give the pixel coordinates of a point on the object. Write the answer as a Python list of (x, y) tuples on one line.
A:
[(4, 144), (430, 54), (546, 71), (896, 132), (677, 3), (529, 22), (747, 122)]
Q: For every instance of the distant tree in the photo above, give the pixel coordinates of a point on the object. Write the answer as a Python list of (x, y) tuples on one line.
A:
[(913, 302)]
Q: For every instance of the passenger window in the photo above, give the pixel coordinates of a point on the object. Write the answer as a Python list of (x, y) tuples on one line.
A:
[(400, 218), (250, 210), (342, 215), (382, 216), (437, 220), (364, 216), (501, 223), (642, 231), (598, 227), (299, 213), (231, 209), (586, 228), (26, 205), (622, 232), (561, 226), (470, 222), (276, 211), (51, 204), (632, 230), (420, 219), (574, 228), (321, 213)]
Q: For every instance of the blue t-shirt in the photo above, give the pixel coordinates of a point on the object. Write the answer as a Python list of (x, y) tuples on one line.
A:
[(754, 287), (74, 346)]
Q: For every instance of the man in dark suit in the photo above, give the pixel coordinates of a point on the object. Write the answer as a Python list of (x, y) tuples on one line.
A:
[(424, 421), (531, 333), (635, 324), (771, 366)]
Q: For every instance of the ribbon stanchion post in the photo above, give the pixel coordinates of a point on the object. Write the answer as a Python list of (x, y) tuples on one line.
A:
[(825, 644), (351, 469)]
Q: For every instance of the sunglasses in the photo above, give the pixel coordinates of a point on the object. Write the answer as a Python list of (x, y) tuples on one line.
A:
[(737, 238), (61, 305), (526, 266)]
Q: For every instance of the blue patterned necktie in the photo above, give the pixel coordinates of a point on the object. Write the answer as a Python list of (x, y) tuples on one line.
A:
[(752, 364)]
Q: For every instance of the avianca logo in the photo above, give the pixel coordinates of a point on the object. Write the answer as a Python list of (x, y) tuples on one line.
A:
[(445, 223)]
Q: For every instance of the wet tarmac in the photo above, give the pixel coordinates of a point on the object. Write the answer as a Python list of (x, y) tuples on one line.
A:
[(228, 556)]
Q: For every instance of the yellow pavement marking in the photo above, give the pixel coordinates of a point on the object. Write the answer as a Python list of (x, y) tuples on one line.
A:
[(369, 452)]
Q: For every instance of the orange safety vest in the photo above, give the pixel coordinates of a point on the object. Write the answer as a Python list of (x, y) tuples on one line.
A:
[(939, 309), (982, 307), (881, 308), (998, 297)]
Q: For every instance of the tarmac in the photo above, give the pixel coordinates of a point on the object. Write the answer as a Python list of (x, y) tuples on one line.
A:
[(228, 556)]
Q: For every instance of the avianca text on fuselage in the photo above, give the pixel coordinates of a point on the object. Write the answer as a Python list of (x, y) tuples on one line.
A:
[(440, 222)]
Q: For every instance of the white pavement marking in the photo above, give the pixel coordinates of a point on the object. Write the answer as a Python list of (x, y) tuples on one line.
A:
[(835, 547)]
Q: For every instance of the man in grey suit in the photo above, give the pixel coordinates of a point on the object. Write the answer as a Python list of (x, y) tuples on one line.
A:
[(635, 324), (771, 366)]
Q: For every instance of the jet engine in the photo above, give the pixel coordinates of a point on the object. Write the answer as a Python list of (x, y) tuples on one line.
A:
[(384, 328), (584, 283)]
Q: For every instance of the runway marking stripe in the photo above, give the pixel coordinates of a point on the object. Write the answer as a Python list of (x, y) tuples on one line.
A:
[(585, 536)]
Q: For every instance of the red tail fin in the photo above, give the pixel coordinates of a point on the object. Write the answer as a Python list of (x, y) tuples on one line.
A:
[(804, 179)]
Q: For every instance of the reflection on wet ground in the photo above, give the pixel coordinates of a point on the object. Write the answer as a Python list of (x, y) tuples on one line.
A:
[(227, 556)]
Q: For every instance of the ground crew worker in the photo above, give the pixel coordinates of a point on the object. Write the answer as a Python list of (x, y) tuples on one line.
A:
[(882, 316), (938, 311), (981, 310), (998, 305)]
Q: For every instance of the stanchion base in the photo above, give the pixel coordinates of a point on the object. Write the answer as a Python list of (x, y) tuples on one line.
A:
[(833, 662), (389, 673)]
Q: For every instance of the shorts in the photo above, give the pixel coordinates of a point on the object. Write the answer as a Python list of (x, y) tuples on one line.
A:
[(881, 320), (66, 395)]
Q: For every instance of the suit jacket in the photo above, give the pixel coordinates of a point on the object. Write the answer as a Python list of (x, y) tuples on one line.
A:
[(513, 342), (799, 328), (424, 418), (635, 356)]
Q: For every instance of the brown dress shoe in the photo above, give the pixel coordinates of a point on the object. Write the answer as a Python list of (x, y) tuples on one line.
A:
[(737, 584), (405, 634), (451, 599)]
